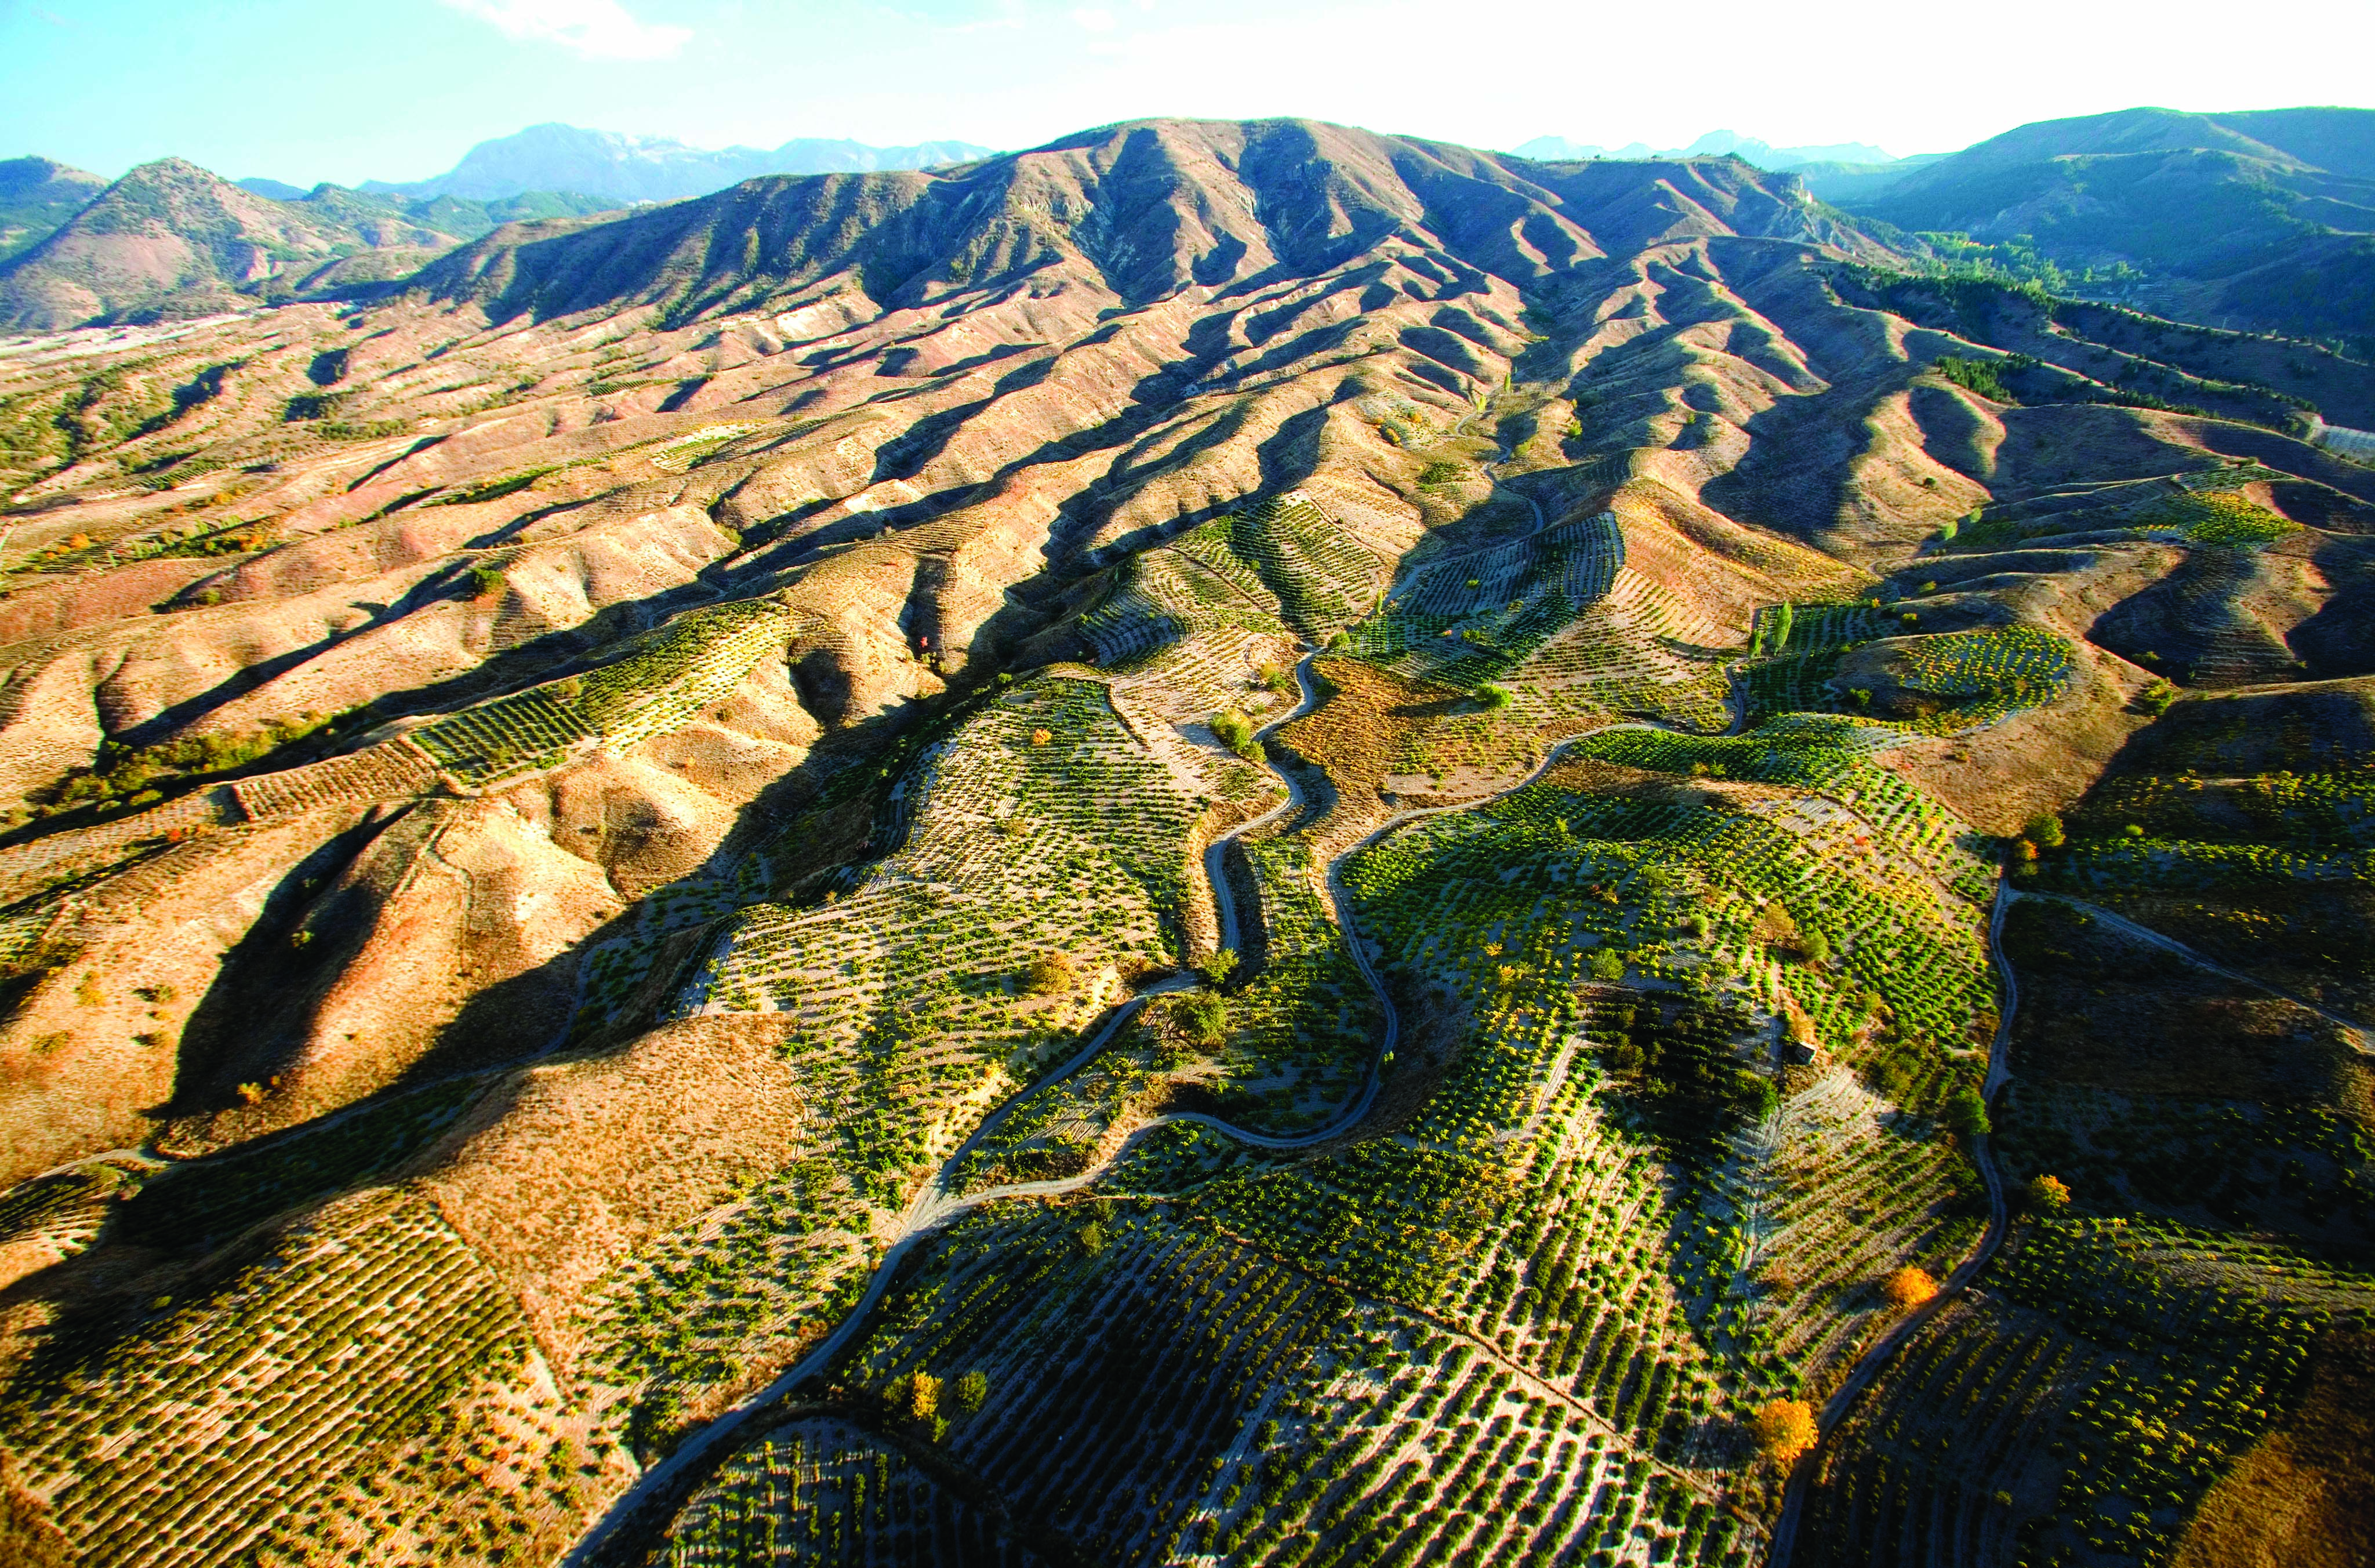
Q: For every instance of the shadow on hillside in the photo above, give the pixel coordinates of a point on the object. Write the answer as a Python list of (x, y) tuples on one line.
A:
[(1798, 477), (267, 998)]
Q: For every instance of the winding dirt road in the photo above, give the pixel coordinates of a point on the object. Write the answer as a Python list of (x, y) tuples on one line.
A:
[(1868, 1365), (937, 1204)]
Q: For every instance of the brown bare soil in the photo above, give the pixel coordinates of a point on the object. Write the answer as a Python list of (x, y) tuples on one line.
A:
[(2305, 1494), (2039, 760), (568, 1169)]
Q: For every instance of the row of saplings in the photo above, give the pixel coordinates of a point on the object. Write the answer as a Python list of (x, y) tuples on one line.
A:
[(1784, 1429), (1682, 1070)]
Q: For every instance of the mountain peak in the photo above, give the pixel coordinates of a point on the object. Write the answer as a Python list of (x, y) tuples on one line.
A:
[(171, 238), (1141, 209), (625, 168)]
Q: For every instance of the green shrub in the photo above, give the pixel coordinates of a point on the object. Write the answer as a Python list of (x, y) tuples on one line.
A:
[(1237, 732), (1206, 1017), (312, 406), (1975, 375), (1966, 1113), (972, 1392)]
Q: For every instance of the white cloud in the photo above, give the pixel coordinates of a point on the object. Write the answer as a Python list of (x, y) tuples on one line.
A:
[(595, 29), (1093, 18)]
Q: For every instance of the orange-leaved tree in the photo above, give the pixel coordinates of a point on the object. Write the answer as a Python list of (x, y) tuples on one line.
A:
[(1784, 1429), (1908, 1287)]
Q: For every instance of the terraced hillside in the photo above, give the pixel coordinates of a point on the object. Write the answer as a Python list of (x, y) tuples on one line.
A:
[(1225, 844)]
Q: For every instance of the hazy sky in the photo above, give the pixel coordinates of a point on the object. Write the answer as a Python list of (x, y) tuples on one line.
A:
[(303, 90)]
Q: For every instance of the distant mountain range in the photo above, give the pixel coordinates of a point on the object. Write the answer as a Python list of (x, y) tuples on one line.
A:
[(2263, 219), (36, 196), (653, 168), (1714, 144), (170, 238)]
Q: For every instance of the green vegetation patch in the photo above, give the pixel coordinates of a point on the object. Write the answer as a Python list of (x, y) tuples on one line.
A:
[(1473, 619), (2202, 1336), (1555, 885), (666, 678), (2015, 665), (2224, 517)]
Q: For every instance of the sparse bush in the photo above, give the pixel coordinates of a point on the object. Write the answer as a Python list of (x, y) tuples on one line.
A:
[(972, 1391), (1048, 974)]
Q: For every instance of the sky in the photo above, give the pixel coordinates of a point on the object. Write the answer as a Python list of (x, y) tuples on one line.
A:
[(397, 89)]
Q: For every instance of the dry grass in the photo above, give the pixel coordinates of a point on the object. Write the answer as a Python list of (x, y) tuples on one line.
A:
[(1375, 734), (557, 1181), (2304, 1496)]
